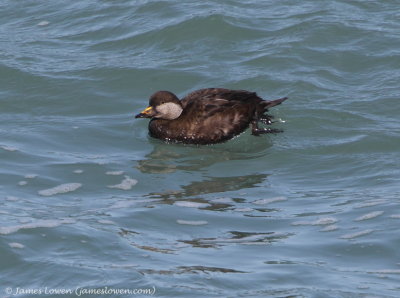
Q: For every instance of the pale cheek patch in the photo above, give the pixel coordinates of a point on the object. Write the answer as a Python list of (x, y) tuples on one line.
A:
[(169, 110)]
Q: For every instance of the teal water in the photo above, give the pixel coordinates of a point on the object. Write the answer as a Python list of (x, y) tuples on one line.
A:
[(88, 200)]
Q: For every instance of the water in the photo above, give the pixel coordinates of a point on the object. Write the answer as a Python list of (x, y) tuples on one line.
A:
[(89, 201)]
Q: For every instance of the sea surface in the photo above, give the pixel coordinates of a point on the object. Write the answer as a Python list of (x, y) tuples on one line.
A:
[(88, 201)]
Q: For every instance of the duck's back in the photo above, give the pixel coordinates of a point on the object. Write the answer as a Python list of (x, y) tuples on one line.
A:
[(209, 95), (209, 116)]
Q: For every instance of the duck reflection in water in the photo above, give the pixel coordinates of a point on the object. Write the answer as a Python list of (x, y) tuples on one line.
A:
[(170, 158)]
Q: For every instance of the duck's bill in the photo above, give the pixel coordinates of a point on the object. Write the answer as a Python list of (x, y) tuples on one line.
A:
[(146, 113)]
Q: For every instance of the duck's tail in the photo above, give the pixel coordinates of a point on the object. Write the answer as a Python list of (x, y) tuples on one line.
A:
[(269, 104)]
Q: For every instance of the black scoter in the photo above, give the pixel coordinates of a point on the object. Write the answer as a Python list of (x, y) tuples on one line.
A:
[(207, 116)]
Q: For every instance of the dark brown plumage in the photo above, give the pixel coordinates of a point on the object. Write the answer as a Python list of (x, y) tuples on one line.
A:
[(207, 116)]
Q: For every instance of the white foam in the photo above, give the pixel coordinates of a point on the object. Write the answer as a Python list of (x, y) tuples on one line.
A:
[(192, 222), (371, 203), (8, 148), (30, 176), (319, 222), (106, 222), (269, 201), (63, 188), (115, 173), (243, 209), (78, 171), (43, 23), (12, 198), (122, 204), (125, 184), (329, 228), (22, 183), (357, 234), (302, 223), (324, 221), (191, 204), (369, 215), (223, 200), (395, 216), (128, 203), (16, 245), (45, 223)]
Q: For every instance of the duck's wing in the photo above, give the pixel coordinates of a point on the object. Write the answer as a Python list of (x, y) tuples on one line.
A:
[(214, 120), (219, 96), (205, 103)]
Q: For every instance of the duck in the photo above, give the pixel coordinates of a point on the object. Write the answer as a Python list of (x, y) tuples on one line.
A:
[(207, 116)]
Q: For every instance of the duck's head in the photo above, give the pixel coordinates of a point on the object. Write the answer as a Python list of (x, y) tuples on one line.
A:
[(162, 105)]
